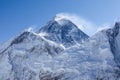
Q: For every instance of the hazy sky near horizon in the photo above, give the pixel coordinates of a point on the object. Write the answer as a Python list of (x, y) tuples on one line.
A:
[(17, 15)]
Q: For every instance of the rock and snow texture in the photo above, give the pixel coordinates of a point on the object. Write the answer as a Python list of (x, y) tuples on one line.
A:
[(114, 39), (63, 31), (55, 52), (21, 52)]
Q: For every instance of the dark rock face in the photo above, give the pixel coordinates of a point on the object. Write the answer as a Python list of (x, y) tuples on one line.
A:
[(23, 37), (113, 40), (66, 33)]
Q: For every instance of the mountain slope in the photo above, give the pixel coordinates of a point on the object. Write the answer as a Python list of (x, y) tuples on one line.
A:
[(26, 45), (93, 60)]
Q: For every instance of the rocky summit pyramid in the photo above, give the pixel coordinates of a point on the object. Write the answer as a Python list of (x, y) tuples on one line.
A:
[(63, 31)]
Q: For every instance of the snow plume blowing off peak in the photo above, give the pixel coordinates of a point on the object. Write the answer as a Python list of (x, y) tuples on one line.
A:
[(85, 25)]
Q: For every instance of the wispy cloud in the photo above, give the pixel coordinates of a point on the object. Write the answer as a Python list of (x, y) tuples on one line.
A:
[(32, 28), (85, 25), (104, 26)]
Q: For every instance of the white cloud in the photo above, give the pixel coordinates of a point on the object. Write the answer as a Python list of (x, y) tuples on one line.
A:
[(85, 25), (30, 29)]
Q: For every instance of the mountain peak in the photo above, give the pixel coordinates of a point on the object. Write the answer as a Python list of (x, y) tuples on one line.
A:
[(63, 31)]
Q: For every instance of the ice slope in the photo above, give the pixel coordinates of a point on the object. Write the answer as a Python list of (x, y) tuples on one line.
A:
[(63, 31)]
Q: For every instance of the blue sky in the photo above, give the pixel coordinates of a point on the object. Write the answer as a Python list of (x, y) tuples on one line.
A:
[(17, 15)]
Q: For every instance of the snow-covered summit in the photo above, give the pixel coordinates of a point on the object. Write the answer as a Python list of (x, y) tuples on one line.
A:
[(63, 31)]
